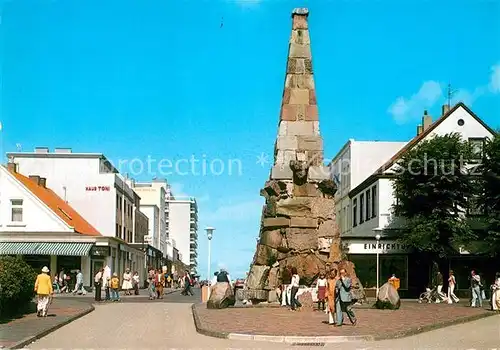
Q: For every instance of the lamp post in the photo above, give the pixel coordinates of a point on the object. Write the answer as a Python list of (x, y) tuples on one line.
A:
[(377, 237), (210, 234)]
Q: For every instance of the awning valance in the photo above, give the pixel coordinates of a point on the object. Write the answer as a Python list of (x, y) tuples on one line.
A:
[(45, 248)]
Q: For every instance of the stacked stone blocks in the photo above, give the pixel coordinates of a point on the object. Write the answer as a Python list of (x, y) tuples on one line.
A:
[(298, 227)]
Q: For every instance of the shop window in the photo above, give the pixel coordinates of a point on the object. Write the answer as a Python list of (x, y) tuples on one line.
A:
[(366, 269), (16, 210)]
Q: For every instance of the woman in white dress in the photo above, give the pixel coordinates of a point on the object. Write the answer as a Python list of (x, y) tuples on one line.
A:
[(495, 295), (452, 282), (127, 282)]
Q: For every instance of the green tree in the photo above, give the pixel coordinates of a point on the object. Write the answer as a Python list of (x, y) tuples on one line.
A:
[(17, 281), (432, 191), (490, 195)]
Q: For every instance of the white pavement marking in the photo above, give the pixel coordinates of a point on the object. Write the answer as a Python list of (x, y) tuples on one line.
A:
[(170, 326)]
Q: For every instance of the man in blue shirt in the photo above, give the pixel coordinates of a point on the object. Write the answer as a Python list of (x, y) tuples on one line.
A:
[(344, 300)]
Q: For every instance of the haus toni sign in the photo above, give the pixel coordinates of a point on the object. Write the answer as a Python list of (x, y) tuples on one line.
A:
[(372, 247), (97, 188)]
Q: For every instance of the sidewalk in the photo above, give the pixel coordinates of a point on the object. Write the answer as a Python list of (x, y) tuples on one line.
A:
[(19, 332), (65, 308)]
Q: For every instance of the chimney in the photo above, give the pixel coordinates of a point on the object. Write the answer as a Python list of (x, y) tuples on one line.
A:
[(43, 150), (11, 166), (419, 129), (426, 121), (445, 109), (43, 182), (63, 150), (35, 179)]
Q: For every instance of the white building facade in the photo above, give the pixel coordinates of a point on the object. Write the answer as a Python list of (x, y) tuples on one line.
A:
[(366, 203), (91, 185), (153, 196), (182, 228), (40, 226)]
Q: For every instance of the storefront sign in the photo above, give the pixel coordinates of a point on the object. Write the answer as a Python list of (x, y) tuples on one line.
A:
[(99, 251), (97, 188), (371, 247)]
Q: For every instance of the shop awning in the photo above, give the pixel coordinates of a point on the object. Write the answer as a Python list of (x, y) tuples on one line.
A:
[(45, 248)]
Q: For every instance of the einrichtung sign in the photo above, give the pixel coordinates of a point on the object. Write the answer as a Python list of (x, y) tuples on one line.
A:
[(97, 188), (372, 247)]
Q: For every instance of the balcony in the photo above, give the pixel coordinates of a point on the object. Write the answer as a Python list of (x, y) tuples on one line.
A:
[(193, 252)]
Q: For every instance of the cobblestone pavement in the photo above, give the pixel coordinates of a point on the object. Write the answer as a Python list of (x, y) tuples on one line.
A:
[(282, 321), (22, 328), (170, 326)]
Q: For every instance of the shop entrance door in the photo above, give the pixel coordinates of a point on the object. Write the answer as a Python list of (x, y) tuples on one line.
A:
[(96, 266)]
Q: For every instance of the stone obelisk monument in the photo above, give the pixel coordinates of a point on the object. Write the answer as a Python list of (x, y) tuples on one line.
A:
[(298, 226)]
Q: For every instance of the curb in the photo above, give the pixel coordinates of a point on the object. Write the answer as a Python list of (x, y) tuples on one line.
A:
[(21, 344), (432, 327), (274, 338), (329, 339)]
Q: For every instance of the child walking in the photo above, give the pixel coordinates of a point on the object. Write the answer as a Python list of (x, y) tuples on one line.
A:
[(115, 285), (321, 286)]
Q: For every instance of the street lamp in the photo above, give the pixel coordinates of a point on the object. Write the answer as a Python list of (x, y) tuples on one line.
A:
[(210, 234), (377, 237)]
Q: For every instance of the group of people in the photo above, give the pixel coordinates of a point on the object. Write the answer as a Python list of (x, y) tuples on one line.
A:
[(110, 282), (476, 287), (334, 295)]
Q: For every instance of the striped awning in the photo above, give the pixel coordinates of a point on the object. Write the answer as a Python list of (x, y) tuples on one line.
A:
[(45, 248)]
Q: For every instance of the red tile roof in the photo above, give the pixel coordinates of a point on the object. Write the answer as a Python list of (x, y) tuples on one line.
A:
[(380, 171), (62, 209)]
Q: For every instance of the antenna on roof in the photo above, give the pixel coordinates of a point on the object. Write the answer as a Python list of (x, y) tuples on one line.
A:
[(450, 94), (19, 147)]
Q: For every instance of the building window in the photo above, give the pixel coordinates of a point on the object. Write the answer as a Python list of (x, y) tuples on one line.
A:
[(354, 212), (361, 208), (124, 233), (368, 205), (374, 201), (17, 210), (477, 145), (117, 230)]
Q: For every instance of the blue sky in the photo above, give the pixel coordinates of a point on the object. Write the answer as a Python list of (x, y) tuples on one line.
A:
[(162, 79)]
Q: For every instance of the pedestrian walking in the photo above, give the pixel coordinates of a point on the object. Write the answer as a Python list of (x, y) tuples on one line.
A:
[(79, 284), (452, 282), (114, 284), (495, 293), (44, 291), (331, 296), (151, 283), (136, 281), (127, 282), (106, 277), (294, 302), (187, 284), (475, 287), (439, 288), (98, 284), (159, 282), (321, 287), (344, 299)]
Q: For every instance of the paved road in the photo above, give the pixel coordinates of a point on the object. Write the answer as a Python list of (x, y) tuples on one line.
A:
[(169, 325)]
